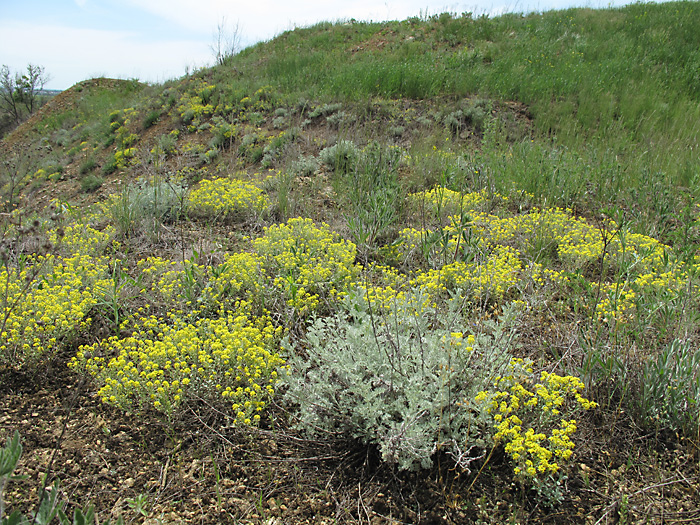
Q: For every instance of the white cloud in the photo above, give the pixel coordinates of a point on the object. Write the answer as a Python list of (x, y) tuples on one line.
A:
[(71, 54)]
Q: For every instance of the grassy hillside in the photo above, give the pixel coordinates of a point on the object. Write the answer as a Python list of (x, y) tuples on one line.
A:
[(437, 269)]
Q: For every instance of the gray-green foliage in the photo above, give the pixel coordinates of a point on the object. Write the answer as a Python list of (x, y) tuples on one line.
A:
[(403, 380), (325, 110), (670, 392), (341, 157), (374, 196), (9, 456), (146, 206), (305, 166), (167, 144), (342, 118)]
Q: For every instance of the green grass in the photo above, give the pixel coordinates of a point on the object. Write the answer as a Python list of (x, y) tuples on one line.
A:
[(608, 84)]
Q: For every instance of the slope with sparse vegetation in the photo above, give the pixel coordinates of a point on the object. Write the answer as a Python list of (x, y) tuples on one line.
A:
[(437, 269)]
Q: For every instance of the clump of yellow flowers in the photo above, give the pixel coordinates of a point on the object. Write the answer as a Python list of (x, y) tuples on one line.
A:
[(443, 202), (45, 302), (227, 198), (534, 419), (174, 360), (310, 262), (195, 104), (496, 257)]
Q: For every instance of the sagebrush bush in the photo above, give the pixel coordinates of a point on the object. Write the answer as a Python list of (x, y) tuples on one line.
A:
[(341, 157), (305, 166), (404, 380), (146, 205), (91, 183)]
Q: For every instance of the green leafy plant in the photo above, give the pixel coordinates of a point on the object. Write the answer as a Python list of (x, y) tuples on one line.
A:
[(151, 118), (374, 196), (87, 166), (91, 183), (110, 165), (138, 504)]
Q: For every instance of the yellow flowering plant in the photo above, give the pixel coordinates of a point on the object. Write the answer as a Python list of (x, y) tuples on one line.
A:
[(239, 276), (442, 202), (45, 301), (310, 263), (173, 360), (534, 419), (195, 106), (227, 198)]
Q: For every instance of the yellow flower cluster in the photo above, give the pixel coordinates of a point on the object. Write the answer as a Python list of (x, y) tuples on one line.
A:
[(125, 157), (310, 262), (125, 154), (82, 238), (536, 249), (262, 99), (45, 302), (386, 290), (530, 418), (167, 362), (239, 276), (168, 281), (443, 202), (194, 106), (232, 199), (490, 279)]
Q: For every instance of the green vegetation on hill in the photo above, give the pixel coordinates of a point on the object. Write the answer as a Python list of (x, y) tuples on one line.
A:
[(459, 242)]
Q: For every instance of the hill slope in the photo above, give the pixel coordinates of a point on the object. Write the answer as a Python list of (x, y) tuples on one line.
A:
[(368, 272)]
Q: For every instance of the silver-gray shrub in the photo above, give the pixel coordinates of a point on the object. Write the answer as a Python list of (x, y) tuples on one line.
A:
[(341, 157), (146, 205), (399, 379), (305, 166)]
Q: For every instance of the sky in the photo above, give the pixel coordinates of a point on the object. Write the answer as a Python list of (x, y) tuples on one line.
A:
[(158, 40)]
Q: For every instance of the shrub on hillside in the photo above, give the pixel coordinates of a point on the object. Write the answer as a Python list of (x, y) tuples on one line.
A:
[(341, 157), (404, 381)]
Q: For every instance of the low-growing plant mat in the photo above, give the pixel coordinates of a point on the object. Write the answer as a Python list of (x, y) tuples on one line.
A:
[(205, 472)]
